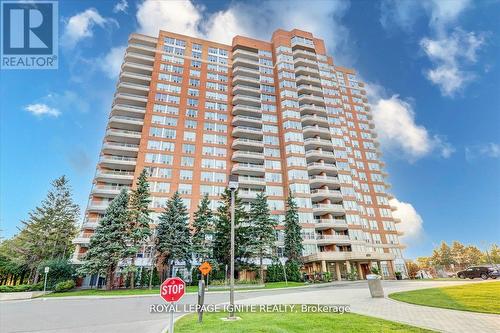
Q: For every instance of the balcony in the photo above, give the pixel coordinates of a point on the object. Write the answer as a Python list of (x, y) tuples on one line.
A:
[(240, 53), (131, 99), (325, 224), (345, 255), (300, 61), (108, 191), (247, 156), (332, 239), (334, 209), (90, 224), (128, 110), (248, 144), (313, 131), (97, 207), (118, 162), (247, 120), (245, 62), (247, 110), (315, 143), (133, 88), (304, 54), (248, 169), (121, 135), (246, 100), (246, 90), (322, 194), (118, 148), (121, 177), (312, 109), (252, 181), (246, 80), (126, 123), (82, 238), (308, 79), (310, 98), (247, 194), (139, 57), (148, 50), (306, 71), (314, 155), (240, 70), (318, 181), (247, 132), (135, 77)]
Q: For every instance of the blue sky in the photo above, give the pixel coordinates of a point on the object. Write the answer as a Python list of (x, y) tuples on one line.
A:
[(433, 79)]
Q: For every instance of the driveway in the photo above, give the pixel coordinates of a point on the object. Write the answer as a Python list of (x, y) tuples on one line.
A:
[(131, 314)]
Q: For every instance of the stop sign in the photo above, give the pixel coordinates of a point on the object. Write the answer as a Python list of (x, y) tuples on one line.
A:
[(172, 290)]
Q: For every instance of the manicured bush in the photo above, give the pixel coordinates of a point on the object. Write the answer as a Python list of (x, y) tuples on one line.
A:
[(64, 286), (275, 272), (21, 288)]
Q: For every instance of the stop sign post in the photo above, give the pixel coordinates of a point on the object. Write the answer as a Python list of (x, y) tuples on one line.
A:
[(172, 290)]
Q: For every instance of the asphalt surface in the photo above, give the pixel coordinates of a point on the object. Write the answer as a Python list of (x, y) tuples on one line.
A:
[(132, 314)]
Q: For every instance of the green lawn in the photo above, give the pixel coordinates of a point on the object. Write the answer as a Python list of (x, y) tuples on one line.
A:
[(189, 289), (480, 297), (291, 323)]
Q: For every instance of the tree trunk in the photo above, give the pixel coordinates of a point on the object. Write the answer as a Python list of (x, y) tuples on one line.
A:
[(132, 273), (261, 268), (35, 279), (110, 274)]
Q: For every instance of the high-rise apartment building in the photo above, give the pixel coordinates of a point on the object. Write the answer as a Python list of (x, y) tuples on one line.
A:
[(281, 115)]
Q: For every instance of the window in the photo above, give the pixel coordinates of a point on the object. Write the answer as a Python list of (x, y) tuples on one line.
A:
[(189, 136), (185, 188), (186, 175), (188, 148), (187, 161)]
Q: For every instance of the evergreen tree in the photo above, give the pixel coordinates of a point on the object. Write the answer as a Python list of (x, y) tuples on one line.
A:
[(50, 229), (222, 233), (138, 227), (203, 225), (108, 245), (173, 241), (261, 230), (293, 237)]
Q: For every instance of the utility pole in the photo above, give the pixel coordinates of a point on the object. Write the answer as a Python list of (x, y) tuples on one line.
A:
[(233, 186)]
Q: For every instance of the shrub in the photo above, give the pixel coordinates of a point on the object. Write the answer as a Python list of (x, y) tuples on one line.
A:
[(275, 272), (21, 288), (60, 270), (64, 286), (293, 271)]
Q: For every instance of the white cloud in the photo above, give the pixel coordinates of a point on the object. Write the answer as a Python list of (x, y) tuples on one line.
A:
[(450, 49), (398, 130), (177, 16), (404, 14), (449, 54), (322, 18), (411, 222), (120, 6), (111, 63), (40, 109), (81, 25), (490, 149)]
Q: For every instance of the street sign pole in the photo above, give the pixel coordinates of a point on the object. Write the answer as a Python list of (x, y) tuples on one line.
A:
[(171, 329), (46, 270), (201, 299), (172, 290)]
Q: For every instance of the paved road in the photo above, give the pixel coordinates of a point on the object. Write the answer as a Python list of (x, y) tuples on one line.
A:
[(131, 314)]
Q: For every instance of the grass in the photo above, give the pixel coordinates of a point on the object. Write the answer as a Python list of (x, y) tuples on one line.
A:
[(290, 322), (478, 297), (189, 289)]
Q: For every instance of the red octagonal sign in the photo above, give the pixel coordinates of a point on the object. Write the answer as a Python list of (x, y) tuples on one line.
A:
[(172, 290)]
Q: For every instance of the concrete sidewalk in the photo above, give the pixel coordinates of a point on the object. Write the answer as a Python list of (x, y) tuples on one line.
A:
[(359, 299)]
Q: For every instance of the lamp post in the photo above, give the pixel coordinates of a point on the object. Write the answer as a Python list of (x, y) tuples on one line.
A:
[(233, 186)]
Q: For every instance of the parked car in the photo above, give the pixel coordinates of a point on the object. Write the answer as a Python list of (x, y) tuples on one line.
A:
[(483, 272)]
